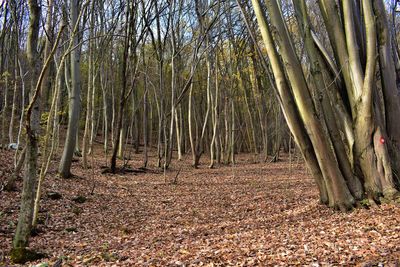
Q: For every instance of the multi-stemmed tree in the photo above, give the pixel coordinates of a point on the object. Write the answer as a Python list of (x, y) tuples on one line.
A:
[(348, 134)]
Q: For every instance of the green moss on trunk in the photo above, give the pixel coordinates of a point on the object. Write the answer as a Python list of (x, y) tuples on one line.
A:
[(23, 255)]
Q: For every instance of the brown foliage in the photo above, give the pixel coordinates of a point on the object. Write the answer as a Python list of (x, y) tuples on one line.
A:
[(254, 214)]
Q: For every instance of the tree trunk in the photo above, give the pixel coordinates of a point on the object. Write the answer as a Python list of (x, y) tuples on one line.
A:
[(389, 85), (74, 105), (123, 89), (90, 89), (355, 144), (214, 117), (51, 127), (145, 120), (19, 251), (287, 103)]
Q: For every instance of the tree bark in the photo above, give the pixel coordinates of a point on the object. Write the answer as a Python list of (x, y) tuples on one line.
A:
[(287, 103), (23, 230), (74, 105)]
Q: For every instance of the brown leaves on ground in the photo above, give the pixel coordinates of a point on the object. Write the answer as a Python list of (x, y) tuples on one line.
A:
[(250, 214)]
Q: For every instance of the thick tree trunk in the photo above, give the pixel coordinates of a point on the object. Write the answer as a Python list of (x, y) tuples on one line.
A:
[(389, 85), (355, 143), (317, 63), (287, 103)]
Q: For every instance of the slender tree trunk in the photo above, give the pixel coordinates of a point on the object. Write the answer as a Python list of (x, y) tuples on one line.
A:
[(233, 129), (178, 130), (15, 43), (160, 115), (253, 141), (89, 99), (50, 134), (74, 100), (214, 117), (105, 113), (145, 121), (190, 121), (47, 82), (4, 117), (19, 252), (122, 138), (170, 141), (10, 183), (14, 103), (123, 97)]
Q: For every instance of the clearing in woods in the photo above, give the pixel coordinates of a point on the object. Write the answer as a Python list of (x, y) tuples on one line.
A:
[(249, 214)]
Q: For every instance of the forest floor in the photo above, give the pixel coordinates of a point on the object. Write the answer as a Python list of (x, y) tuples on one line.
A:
[(249, 214)]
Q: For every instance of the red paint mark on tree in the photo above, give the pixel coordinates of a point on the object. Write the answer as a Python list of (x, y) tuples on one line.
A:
[(382, 140)]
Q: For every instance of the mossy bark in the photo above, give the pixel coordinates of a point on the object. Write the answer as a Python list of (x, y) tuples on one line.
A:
[(22, 233), (23, 255)]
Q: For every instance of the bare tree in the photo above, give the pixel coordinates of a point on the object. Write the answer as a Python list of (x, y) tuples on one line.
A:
[(74, 97)]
